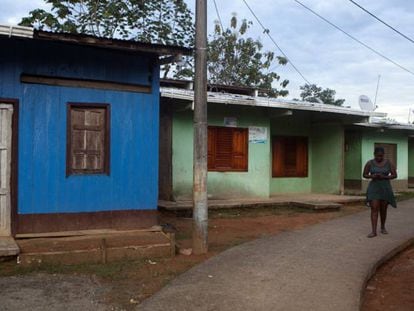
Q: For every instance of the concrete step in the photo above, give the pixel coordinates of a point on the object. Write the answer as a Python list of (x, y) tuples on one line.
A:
[(96, 248), (317, 205), (8, 247)]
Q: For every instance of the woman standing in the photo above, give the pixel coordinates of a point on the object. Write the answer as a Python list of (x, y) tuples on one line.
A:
[(379, 193)]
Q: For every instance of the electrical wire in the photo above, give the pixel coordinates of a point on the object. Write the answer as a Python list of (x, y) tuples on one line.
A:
[(355, 39), (218, 15), (267, 32), (381, 21)]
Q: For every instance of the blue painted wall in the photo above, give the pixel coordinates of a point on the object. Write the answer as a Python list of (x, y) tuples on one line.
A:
[(42, 183)]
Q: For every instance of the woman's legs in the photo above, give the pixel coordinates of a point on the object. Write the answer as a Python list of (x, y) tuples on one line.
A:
[(383, 214), (375, 207)]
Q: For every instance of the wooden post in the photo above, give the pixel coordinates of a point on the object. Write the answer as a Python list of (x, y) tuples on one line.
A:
[(200, 206)]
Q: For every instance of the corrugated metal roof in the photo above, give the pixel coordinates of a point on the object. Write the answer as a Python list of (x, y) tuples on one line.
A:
[(88, 40), (234, 99), (16, 31), (391, 126)]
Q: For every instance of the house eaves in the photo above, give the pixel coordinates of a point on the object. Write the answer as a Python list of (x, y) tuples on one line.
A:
[(390, 126), (243, 100)]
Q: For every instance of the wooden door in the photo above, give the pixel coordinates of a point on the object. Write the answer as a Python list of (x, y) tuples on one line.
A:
[(6, 113)]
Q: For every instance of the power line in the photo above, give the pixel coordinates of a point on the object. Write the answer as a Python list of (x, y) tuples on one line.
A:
[(355, 39), (267, 32), (380, 20), (218, 15)]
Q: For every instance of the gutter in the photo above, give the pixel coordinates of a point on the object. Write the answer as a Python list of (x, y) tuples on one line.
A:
[(16, 31), (234, 99)]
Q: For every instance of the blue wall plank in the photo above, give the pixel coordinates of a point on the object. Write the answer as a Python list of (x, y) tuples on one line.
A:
[(43, 186)]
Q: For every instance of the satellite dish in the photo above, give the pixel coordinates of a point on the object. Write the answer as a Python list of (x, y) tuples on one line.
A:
[(366, 104)]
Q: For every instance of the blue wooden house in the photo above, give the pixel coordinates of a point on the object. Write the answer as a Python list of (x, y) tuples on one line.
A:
[(78, 131)]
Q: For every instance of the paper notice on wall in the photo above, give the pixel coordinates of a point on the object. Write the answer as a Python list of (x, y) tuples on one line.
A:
[(257, 135)]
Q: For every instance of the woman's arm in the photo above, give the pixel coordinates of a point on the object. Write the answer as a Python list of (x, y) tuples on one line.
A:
[(367, 169), (393, 172)]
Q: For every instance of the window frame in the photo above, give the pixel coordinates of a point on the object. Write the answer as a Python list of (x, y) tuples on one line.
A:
[(107, 137), (246, 156), (304, 139)]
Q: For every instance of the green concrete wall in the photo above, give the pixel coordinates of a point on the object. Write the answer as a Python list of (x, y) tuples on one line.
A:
[(353, 162), (370, 137), (254, 183), (298, 124), (325, 154), (327, 158), (411, 159)]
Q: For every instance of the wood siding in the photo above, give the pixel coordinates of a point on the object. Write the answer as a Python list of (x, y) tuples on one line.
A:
[(43, 186), (165, 182)]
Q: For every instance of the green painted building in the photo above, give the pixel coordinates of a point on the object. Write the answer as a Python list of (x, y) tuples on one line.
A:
[(261, 147), (360, 141)]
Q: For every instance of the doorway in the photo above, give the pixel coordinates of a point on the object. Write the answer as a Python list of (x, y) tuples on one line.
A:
[(6, 155)]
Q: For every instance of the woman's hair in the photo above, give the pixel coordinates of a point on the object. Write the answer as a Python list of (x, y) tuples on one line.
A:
[(379, 150)]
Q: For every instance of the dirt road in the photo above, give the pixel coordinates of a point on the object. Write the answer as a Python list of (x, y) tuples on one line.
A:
[(43, 292)]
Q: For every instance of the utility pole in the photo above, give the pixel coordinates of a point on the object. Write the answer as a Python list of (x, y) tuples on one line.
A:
[(200, 206)]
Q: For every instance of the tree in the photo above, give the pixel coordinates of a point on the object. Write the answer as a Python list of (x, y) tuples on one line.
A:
[(236, 59), (155, 21), (314, 94)]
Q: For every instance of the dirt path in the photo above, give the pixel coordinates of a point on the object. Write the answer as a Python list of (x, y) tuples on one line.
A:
[(123, 285), (392, 287), (44, 292)]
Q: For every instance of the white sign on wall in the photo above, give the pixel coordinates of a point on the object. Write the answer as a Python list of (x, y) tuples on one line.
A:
[(257, 135)]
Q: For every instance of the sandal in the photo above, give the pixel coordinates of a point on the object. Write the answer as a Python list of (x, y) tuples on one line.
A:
[(371, 235)]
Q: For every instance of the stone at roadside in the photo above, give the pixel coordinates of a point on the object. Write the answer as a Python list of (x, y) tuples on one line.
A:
[(185, 251)]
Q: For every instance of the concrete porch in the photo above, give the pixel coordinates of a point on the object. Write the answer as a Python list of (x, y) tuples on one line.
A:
[(308, 200), (8, 247), (88, 246)]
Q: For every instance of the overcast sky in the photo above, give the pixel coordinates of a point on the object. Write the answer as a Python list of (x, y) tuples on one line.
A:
[(323, 54)]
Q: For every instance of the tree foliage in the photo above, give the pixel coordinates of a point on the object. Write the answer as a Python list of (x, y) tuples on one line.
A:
[(315, 94), (155, 21), (236, 59)]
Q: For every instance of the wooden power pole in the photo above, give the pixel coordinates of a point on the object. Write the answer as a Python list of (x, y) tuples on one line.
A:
[(200, 206)]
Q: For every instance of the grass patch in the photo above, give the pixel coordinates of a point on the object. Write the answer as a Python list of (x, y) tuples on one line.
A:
[(403, 196), (111, 271), (257, 211)]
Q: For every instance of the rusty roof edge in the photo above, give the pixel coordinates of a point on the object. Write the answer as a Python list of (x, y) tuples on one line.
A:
[(235, 99), (118, 44)]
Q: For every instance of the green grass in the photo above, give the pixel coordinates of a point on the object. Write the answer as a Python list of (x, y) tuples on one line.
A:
[(403, 196), (258, 211), (110, 271)]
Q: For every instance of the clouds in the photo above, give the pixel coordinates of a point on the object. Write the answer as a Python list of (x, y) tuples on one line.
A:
[(323, 54), (12, 11), (329, 58)]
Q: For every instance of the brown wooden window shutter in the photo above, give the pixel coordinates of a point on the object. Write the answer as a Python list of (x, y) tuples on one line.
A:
[(87, 139), (227, 149), (289, 156)]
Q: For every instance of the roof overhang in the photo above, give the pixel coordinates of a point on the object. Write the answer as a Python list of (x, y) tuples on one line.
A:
[(389, 126), (243, 100), (167, 53)]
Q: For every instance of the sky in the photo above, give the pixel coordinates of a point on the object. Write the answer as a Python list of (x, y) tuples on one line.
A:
[(324, 55)]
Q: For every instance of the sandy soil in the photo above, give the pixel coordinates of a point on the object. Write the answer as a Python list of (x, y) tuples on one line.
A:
[(122, 285), (392, 287), (44, 292)]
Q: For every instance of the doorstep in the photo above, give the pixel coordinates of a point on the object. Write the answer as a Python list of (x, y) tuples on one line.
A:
[(8, 247)]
